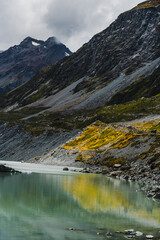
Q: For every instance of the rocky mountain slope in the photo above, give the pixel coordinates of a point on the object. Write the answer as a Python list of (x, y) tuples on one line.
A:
[(112, 60), (21, 62), (104, 101)]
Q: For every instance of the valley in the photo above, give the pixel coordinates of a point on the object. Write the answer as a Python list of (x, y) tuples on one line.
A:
[(97, 107)]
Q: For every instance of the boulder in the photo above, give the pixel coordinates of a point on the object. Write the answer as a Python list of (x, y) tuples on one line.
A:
[(65, 169), (115, 174), (117, 165), (149, 236), (105, 170), (129, 232), (157, 195), (6, 169)]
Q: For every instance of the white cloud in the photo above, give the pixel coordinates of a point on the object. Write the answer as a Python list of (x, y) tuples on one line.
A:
[(73, 22)]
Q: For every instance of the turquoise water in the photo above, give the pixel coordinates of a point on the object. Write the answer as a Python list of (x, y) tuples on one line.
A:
[(46, 207)]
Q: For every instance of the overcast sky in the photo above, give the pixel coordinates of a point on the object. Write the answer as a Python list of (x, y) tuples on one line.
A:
[(73, 22)]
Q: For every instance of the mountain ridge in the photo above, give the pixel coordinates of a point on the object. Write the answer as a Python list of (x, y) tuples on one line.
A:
[(127, 45), (21, 62)]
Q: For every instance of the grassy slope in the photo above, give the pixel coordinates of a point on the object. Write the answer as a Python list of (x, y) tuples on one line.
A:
[(61, 121)]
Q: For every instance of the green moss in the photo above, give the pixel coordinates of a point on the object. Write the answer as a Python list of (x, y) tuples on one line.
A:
[(34, 130)]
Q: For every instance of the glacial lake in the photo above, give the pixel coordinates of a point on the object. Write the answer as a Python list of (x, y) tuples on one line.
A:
[(44, 206)]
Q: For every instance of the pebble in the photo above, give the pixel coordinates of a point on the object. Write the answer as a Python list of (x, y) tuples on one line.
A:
[(149, 236), (109, 234), (150, 195), (138, 234), (129, 231), (117, 165), (71, 229)]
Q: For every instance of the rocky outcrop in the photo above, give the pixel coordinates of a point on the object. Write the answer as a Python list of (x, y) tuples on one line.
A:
[(5, 169)]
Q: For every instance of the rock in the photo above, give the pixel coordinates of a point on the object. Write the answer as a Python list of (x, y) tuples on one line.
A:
[(6, 169), (126, 177), (129, 232), (138, 234), (150, 195), (157, 196), (115, 174), (109, 234), (157, 189), (65, 169), (117, 165), (153, 131), (105, 170), (87, 170), (149, 236)]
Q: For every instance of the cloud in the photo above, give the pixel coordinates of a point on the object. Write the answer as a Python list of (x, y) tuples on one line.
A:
[(73, 22)]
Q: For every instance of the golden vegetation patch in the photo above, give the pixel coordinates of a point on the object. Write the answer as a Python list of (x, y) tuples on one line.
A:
[(147, 126), (125, 140), (99, 143), (95, 137)]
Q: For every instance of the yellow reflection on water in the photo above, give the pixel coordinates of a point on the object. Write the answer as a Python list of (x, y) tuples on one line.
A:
[(92, 196), (107, 195)]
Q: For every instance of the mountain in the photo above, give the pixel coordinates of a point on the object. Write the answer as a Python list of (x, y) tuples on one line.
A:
[(21, 62), (100, 106), (111, 61)]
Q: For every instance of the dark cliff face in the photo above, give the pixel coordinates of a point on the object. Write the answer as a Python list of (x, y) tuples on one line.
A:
[(21, 62), (129, 43)]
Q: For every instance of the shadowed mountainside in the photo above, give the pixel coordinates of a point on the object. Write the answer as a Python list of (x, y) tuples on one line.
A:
[(21, 62)]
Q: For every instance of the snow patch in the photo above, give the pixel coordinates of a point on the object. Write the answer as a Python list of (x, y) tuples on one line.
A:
[(67, 54), (35, 44)]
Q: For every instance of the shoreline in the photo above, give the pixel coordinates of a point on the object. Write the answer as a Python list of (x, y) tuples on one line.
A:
[(25, 167), (147, 179)]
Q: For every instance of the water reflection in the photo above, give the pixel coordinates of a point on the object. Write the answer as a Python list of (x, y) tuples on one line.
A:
[(43, 206), (111, 196)]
